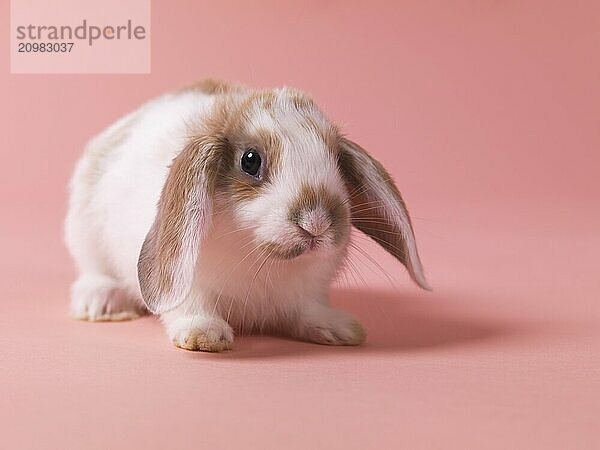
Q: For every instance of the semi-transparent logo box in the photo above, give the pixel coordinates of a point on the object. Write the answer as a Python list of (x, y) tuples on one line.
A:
[(80, 36)]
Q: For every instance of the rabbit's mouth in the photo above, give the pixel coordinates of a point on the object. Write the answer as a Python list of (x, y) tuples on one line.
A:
[(314, 243), (287, 252)]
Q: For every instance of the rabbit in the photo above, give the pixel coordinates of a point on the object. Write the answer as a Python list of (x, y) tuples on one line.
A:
[(226, 209)]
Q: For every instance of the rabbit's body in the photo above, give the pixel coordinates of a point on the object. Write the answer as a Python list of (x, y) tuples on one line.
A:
[(145, 226)]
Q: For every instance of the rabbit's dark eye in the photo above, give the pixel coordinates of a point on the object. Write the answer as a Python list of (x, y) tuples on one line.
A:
[(251, 162)]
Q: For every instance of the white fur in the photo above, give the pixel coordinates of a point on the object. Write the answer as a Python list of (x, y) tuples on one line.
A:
[(114, 192)]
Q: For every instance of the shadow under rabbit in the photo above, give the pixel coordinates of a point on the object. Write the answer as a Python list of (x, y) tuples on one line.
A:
[(394, 321)]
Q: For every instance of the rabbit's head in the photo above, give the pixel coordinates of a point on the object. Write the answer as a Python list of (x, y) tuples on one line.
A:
[(286, 175)]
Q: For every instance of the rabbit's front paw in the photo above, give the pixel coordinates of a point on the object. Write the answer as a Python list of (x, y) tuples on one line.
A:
[(199, 333), (97, 298), (328, 326)]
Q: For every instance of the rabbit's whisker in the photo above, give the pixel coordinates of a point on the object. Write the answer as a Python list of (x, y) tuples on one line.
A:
[(242, 327)]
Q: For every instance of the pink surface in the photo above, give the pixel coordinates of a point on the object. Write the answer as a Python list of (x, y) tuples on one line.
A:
[(486, 114)]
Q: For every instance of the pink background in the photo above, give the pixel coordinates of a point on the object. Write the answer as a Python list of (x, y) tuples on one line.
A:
[(487, 115)]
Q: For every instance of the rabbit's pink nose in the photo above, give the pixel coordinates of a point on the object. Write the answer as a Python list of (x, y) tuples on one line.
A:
[(315, 222)]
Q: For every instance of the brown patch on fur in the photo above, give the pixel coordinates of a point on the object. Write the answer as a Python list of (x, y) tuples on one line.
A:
[(301, 101), (228, 119), (265, 98), (331, 136), (270, 143), (211, 86), (243, 189), (311, 197)]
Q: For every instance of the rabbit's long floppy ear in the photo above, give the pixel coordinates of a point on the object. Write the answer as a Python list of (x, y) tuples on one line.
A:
[(377, 208), (168, 256)]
